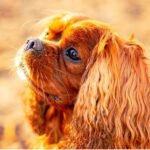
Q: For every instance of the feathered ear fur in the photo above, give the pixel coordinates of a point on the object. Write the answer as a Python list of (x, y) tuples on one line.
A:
[(46, 124), (113, 106)]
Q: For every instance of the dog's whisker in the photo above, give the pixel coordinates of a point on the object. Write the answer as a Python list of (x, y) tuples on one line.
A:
[(41, 79), (61, 71), (59, 79)]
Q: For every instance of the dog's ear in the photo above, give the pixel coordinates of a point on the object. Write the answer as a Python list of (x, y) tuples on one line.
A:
[(112, 109), (44, 119)]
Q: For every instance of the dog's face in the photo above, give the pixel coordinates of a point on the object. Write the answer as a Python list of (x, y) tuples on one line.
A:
[(115, 81), (55, 62)]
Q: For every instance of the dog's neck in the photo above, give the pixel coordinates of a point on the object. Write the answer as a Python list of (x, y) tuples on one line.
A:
[(57, 121)]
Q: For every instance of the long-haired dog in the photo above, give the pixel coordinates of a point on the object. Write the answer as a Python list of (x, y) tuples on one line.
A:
[(88, 87)]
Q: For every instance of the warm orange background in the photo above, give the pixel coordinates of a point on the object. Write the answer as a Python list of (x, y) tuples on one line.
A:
[(18, 20)]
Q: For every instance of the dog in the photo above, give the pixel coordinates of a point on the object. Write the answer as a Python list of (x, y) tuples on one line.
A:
[(87, 86)]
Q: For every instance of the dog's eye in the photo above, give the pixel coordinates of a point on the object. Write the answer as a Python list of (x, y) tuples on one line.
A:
[(72, 54)]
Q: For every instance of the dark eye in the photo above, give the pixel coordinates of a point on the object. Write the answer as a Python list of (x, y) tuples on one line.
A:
[(72, 54)]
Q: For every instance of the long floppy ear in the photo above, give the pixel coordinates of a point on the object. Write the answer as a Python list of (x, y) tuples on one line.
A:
[(46, 123), (113, 105)]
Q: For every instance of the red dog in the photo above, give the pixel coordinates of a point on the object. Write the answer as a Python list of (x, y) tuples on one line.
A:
[(88, 87)]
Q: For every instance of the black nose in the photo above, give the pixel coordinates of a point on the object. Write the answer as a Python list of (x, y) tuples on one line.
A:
[(34, 44)]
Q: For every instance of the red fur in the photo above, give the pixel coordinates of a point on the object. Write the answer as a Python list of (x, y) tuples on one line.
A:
[(108, 101)]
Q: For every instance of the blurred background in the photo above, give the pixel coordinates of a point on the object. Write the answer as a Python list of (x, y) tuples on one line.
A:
[(18, 19)]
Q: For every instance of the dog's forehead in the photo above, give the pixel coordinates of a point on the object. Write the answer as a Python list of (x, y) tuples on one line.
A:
[(59, 23), (82, 28)]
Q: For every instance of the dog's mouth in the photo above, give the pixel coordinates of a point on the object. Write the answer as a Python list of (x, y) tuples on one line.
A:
[(47, 96)]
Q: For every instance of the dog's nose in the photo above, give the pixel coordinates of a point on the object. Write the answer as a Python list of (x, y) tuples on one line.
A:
[(34, 44)]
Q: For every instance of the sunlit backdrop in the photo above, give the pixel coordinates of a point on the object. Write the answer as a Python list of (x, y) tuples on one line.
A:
[(19, 19)]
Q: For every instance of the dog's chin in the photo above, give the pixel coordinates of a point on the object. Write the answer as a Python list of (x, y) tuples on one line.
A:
[(49, 97)]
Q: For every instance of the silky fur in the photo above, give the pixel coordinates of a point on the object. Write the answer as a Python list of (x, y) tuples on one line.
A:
[(109, 95)]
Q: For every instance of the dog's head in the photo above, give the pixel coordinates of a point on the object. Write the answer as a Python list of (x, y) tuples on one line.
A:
[(54, 62), (79, 57)]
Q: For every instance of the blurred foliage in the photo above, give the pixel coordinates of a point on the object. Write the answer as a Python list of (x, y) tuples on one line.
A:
[(18, 20)]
